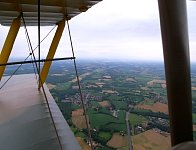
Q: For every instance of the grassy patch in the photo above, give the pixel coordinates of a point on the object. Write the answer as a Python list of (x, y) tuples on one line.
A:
[(148, 102), (194, 94), (141, 110), (63, 86), (74, 107), (73, 129), (136, 119), (143, 79), (117, 127), (194, 118), (124, 148), (104, 148), (194, 135), (158, 90), (100, 119), (114, 97), (80, 134), (119, 104), (95, 104), (105, 135), (91, 111)]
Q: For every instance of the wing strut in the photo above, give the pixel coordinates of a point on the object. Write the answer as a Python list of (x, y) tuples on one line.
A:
[(52, 50), (9, 42), (174, 27)]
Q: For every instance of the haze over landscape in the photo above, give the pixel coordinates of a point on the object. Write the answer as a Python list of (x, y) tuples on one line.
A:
[(122, 99), (112, 29), (125, 94)]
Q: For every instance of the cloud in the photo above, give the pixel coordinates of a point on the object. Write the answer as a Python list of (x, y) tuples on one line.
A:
[(115, 29), (191, 9)]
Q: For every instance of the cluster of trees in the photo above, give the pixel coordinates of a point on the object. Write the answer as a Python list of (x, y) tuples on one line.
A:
[(150, 113), (66, 109), (194, 106), (58, 79), (101, 139), (159, 126)]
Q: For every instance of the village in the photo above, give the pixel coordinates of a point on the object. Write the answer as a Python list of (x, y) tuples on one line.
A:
[(109, 95)]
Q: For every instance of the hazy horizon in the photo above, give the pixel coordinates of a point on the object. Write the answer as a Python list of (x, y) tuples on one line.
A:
[(101, 60), (126, 30)]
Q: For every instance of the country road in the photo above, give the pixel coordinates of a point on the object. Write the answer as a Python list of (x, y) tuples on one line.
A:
[(128, 130)]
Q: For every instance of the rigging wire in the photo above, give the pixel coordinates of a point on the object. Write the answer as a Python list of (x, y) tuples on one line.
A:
[(30, 55), (39, 53), (42, 86), (79, 88), (37, 68), (30, 50), (32, 61), (30, 45), (43, 89)]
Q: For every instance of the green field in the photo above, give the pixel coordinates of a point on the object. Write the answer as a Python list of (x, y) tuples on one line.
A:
[(136, 119), (194, 118), (143, 79), (117, 127), (132, 92), (73, 129), (98, 120), (63, 86), (105, 135), (141, 110), (80, 134), (114, 97), (95, 104), (119, 104), (124, 148), (74, 107), (148, 102)]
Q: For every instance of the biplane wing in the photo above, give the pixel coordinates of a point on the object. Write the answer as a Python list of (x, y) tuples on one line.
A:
[(51, 11), (27, 120)]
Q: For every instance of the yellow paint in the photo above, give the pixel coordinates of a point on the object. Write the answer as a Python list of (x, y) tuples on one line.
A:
[(51, 53), (9, 42)]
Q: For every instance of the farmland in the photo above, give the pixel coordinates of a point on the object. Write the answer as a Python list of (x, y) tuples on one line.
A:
[(110, 90), (148, 140), (117, 141), (151, 139), (154, 107), (137, 119)]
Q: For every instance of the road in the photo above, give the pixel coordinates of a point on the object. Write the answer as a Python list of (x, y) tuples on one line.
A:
[(128, 130)]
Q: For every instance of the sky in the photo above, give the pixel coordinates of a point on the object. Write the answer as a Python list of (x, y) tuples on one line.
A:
[(112, 29)]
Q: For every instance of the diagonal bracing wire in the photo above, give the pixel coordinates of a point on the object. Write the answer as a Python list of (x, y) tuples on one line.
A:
[(42, 87), (79, 87), (37, 68), (29, 47), (30, 55), (39, 46)]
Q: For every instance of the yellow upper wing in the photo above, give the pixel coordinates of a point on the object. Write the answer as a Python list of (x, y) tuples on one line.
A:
[(51, 11)]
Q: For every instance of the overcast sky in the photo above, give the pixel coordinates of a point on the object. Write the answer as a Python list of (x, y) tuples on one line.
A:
[(112, 29)]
